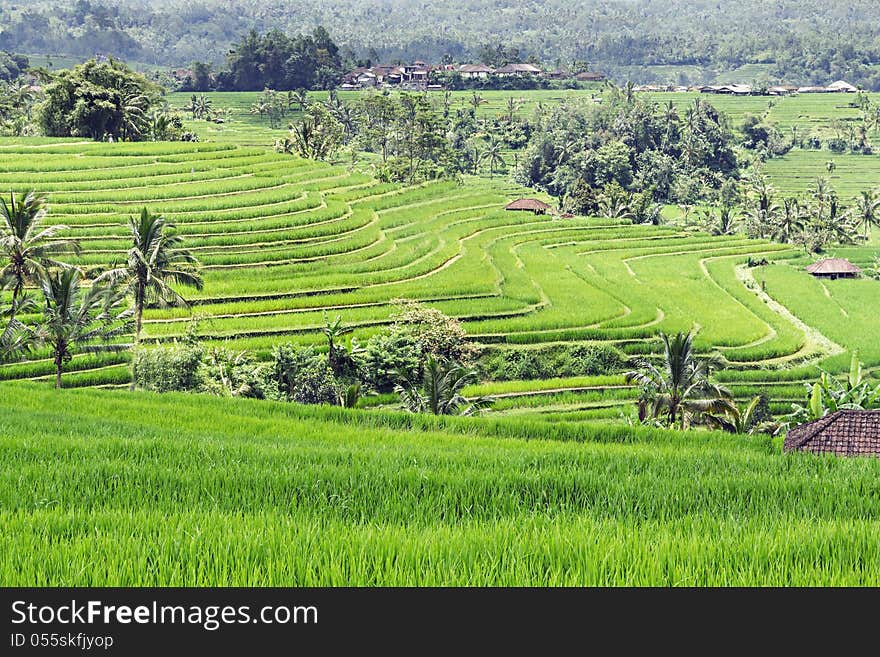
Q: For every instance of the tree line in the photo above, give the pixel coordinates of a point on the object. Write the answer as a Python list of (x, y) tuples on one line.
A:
[(803, 42)]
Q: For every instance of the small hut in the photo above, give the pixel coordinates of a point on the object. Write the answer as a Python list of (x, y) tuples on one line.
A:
[(845, 433), (529, 204), (834, 268)]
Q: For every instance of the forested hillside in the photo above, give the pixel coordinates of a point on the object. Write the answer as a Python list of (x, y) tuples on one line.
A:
[(802, 41)]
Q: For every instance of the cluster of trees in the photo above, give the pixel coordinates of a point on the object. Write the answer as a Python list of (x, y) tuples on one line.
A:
[(578, 149), (413, 138), (424, 357), (805, 42), (76, 310), (274, 61), (812, 220), (12, 66), (106, 100)]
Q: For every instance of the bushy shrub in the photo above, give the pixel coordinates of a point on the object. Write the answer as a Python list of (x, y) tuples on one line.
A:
[(302, 375), (387, 358), (550, 362), (435, 333), (228, 373), (168, 369)]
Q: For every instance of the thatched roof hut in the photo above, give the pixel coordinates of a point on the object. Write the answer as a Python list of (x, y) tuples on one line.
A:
[(834, 268), (529, 204), (845, 433)]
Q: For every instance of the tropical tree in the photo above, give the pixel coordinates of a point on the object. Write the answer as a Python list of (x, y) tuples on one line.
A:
[(679, 391), (439, 392), (830, 394), (317, 136), (867, 211), (155, 260), (334, 331), (476, 100), (27, 244), (81, 318), (493, 154), (744, 420)]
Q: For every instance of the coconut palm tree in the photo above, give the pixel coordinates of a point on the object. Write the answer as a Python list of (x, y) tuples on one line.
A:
[(440, 390), (476, 100), (679, 391), (743, 420), (81, 318), (156, 259), (493, 154), (27, 244), (790, 222), (867, 211)]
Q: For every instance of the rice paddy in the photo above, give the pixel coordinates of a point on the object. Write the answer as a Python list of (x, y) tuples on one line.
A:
[(285, 241), (550, 487), (280, 494)]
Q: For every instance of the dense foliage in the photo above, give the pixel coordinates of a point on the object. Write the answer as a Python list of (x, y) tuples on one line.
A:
[(804, 42), (99, 100), (629, 143)]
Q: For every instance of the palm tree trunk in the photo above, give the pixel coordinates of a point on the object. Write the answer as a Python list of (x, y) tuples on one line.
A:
[(59, 365), (139, 314)]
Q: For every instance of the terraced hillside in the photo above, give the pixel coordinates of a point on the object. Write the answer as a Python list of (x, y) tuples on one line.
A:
[(285, 240)]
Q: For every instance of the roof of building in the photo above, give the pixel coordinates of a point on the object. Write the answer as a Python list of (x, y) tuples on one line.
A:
[(527, 204), (475, 68), (846, 432), (518, 68), (589, 75), (832, 266), (842, 85)]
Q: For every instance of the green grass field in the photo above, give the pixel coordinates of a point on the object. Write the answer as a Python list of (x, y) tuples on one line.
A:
[(281, 494)]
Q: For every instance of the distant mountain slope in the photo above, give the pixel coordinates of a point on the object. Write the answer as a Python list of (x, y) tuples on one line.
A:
[(804, 40)]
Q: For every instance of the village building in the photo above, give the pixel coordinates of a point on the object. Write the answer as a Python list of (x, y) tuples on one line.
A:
[(834, 268), (841, 86), (589, 76), (844, 433), (529, 205), (515, 70), (475, 71)]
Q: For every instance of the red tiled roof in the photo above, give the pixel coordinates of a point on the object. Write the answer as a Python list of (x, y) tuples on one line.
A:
[(833, 266), (845, 433)]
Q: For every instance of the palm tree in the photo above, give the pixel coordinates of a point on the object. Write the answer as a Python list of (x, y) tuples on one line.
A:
[(334, 331), (26, 243), (867, 210), (476, 100), (492, 153), (440, 390), (790, 222), (743, 420), (302, 99), (260, 109), (512, 106), (79, 318), (680, 390), (156, 259)]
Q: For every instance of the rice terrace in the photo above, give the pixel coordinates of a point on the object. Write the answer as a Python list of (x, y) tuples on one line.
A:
[(358, 367)]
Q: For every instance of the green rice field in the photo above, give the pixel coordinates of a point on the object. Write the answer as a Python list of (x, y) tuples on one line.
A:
[(279, 494), (551, 486)]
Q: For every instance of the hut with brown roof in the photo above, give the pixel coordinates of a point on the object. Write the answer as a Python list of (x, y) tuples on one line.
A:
[(834, 268), (529, 204), (845, 433)]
